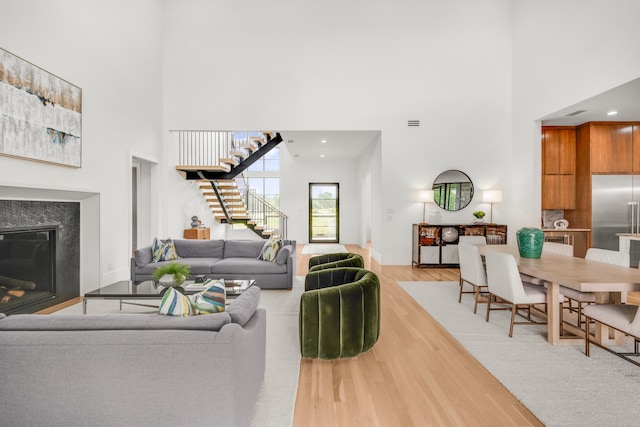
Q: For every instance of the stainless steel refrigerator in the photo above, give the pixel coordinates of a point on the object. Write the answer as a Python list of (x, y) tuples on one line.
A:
[(615, 209)]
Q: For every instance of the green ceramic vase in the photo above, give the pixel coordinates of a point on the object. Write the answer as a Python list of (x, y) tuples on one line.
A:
[(530, 242)]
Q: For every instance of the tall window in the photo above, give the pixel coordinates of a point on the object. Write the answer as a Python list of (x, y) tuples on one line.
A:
[(263, 177), (324, 213)]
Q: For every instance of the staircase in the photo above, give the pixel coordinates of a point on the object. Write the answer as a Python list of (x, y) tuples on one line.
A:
[(216, 161)]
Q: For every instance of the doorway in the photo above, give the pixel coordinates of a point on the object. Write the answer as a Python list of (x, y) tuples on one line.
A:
[(324, 213), (142, 222)]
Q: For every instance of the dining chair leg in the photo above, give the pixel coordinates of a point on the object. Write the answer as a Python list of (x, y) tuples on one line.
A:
[(476, 296), (488, 306), (586, 339), (514, 309), (460, 295)]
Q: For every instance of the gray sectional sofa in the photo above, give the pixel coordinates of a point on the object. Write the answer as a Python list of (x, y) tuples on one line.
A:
[(133, 369), (227, 259)]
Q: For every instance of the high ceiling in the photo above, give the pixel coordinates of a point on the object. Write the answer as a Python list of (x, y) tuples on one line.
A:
[(339, 145), (349, 145), (624, 99)]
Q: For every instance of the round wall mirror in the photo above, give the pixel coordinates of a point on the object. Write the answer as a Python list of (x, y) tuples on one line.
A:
[(452, 190)]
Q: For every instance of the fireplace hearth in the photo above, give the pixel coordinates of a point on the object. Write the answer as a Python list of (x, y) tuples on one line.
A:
[(39, 254)]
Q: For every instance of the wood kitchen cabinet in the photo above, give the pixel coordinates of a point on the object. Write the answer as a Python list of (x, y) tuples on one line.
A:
[(558, 167), (611, 147), (558, 150), (558, 191), (636, 149)]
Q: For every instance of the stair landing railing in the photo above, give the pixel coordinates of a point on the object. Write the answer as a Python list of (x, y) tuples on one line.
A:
[(204, 148)]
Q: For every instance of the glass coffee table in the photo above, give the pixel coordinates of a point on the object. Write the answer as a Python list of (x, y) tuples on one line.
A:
[(127, 291)]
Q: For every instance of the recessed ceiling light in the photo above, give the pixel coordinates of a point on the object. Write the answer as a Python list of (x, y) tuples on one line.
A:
[(324, 141), (321, 155), (612, 113)]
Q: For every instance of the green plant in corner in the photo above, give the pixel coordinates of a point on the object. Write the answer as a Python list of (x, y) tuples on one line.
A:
[(479, 214), (179, 272)]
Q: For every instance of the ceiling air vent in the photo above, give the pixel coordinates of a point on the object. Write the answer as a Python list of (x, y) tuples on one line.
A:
[(575, 113), (413, 123)]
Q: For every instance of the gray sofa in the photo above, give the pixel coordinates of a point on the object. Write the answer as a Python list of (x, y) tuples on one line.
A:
[(227, 259), (133, 369)]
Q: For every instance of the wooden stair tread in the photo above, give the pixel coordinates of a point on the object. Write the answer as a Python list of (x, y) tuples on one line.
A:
[(242, 154), (229, 161), (207, 168), (250, 147)]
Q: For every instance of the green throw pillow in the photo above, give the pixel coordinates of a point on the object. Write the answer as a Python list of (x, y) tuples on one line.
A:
[(175, 304), (211, 300)]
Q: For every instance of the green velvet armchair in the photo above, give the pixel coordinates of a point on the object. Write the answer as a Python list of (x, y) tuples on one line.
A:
[(339, 313), (340, 259)]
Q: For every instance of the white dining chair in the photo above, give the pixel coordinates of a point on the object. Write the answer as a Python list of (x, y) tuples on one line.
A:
[(585, 298), (622, 317), (472, 272), (503, 281)]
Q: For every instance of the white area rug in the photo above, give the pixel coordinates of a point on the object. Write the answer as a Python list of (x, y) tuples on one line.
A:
[(277, 396), (559, 384), (322, 248)]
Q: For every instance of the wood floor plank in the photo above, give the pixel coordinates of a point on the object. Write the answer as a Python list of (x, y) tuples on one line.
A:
[(417, 374)]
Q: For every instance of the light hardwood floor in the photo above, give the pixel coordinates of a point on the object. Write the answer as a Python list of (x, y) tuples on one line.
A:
[(416, 374)]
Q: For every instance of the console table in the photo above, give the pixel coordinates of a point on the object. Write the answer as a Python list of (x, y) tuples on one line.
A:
[(437, 245), (197, 233)]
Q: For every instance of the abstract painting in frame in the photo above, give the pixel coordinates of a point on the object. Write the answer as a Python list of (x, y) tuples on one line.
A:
[(40, 114)]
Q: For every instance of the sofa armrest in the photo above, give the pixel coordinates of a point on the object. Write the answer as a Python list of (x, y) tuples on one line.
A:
[(248, 356)]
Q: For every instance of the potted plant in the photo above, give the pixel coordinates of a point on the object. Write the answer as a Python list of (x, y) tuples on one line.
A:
[(479, 215), (172, 274)]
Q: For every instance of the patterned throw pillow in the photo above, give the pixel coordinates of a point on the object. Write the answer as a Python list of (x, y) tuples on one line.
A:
[(175, 304), (270, 250), (163, 251), (210, 301)]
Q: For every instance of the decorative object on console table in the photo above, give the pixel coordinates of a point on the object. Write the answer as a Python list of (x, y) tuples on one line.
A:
[(479, 217), (195, 222), (197, 233), (425, 196), (491, 197), (530, 242)]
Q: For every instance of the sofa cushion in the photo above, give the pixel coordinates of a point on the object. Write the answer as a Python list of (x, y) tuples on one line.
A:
[(211, 300), (283, 254), (270, 250), (188, 248), (198, 265), (175, 303), (73, 322), (143, 256), (243, 307), (246, 266), (242, 248), (163, 250)]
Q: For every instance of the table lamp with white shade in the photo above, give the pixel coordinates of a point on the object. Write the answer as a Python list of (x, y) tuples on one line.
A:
[(491, 197), (425, 196)]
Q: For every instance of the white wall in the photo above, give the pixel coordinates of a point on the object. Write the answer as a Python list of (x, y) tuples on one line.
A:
[(563, 52), (478, 88), (347, 66), (295, 176), (112, 50)]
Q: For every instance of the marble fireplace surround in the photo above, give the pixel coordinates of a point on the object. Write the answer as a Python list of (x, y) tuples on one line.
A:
[(85, 270)]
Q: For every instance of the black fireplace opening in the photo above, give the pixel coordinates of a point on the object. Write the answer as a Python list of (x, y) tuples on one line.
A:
[(27, 268)]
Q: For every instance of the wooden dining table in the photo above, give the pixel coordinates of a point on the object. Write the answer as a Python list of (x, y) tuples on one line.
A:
[(575, 273)]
